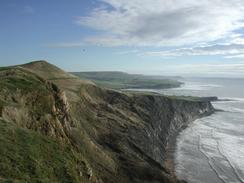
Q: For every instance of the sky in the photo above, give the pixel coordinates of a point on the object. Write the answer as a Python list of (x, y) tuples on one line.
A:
[(157, 37)]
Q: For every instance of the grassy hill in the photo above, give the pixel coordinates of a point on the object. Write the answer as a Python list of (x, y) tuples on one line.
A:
[(28, 156), (121, 80)]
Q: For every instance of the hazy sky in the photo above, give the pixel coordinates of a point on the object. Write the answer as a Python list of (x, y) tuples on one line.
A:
[(168, 37)]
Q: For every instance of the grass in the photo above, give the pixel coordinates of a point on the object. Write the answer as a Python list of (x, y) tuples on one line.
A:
[(46, 70), (19, 83), (14, 79), (28, 85), (120, 80), (191, 98), (28, 156), (4, 68)]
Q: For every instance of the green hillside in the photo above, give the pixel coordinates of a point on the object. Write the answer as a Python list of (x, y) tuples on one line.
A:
[(121, 80), (27, 156)]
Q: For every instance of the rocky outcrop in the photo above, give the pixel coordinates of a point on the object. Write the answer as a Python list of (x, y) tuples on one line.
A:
[(44, 109)]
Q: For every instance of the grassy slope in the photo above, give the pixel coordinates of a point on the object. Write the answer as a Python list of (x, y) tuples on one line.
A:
[(28, 156), (27, 153), (120, 80), (47, 71)]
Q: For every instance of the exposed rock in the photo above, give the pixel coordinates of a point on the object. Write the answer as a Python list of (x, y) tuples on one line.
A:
[(43, 109)]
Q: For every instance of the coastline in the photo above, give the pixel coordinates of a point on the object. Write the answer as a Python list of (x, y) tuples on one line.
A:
[(170, 153), (169, 161)]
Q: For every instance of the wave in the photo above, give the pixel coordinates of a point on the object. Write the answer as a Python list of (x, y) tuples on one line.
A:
[(196, 87), (230, 99), (225, 174), (235, 105), (210, 161), (230, 109), (226, 157), (229, 162)]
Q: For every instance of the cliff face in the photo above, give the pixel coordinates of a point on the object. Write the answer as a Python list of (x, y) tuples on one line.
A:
[(136, 128), (107, 136), (163, 118)]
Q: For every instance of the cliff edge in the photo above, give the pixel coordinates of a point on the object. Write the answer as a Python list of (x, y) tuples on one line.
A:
[(55, 127)]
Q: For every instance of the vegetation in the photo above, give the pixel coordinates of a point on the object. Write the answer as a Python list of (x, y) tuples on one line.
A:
[(27, 156), (17, 79), (192, 98), (4, 68), (121, 80)]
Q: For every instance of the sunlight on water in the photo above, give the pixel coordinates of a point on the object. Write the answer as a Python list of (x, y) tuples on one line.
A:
[(211, 149)]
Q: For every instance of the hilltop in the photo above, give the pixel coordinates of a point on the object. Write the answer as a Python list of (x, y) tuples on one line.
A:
[(55, 127)]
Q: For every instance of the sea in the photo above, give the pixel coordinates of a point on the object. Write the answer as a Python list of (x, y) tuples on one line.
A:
[(211, 149)]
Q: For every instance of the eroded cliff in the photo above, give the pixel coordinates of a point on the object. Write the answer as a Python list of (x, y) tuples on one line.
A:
[(106, 136)]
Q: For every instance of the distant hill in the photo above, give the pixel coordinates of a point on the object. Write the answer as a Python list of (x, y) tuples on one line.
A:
[(122, 80)]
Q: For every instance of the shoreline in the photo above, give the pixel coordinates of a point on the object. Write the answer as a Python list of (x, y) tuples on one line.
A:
[(169, 161)]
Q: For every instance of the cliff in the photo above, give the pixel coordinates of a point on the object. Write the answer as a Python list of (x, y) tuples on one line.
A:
[(55, 127)]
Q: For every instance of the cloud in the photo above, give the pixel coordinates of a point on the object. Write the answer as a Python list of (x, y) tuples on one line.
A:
[(235, 70), (65, 45), (214, 69), (163, 22), (235, 56), (135, 51), (232, 50)]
